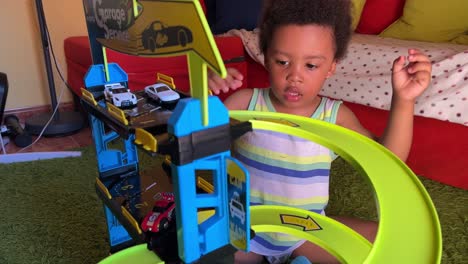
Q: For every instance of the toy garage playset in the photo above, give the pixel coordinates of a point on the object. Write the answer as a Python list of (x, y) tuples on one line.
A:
[(206, 216)]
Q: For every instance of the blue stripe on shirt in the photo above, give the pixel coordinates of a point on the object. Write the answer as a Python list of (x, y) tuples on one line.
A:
[(283, 171)]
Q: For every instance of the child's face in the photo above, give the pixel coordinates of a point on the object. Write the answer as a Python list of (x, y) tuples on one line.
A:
[(299, 59)]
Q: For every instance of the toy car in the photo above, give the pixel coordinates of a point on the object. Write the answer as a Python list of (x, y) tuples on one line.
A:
[(163, 90), (162, 215), (119, 95)]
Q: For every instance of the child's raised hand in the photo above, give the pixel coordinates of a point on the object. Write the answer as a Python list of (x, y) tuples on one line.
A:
[(232, 81), (410, 81)]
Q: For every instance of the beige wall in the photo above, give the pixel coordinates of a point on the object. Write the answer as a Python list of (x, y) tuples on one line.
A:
[(21, 54)]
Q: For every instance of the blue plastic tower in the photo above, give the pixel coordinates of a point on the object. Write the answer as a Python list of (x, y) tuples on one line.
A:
[(117, 168)]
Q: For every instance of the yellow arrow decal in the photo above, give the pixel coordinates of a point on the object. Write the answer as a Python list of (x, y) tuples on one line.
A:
[(307, 223)]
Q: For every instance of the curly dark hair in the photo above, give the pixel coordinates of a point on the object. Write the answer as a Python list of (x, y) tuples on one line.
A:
[(335, 14)]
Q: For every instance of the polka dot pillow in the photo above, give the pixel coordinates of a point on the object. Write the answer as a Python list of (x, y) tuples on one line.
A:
[(364, 76)]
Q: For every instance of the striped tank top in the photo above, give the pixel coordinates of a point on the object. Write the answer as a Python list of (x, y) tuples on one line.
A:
[(285, 170)]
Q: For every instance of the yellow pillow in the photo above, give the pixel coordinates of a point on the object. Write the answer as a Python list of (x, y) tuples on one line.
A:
[(431, 20), (357, 6), (462, 39)]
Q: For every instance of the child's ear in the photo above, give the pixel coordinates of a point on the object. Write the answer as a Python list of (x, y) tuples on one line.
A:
[(332, 69)]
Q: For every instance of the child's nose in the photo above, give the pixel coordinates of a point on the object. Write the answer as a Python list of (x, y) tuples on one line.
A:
[(294, 73)]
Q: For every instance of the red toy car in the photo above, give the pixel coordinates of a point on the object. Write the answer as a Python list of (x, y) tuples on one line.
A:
[(162, 215)]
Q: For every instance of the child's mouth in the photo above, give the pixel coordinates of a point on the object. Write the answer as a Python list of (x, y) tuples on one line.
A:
[(292, 95)]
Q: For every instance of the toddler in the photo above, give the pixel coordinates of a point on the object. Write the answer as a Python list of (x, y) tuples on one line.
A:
[(302, 41)]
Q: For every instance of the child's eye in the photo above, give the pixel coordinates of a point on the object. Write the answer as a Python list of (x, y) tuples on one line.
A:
[(311, 66), (282, 62)]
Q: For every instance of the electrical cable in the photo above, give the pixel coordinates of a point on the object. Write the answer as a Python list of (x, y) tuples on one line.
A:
[(59, 71)]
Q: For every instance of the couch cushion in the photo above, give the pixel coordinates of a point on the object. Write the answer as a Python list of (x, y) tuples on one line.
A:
[(230, 14), (77, 50), (356, 11), (378, 15), (224, 15), (431, 20), (141, 70)]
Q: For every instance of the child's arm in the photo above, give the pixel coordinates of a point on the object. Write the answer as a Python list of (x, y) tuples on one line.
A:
[(239, 100), (408, 82)]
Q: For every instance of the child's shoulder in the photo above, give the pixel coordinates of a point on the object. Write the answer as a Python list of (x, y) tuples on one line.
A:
[(346, 118), (240, 99), (331, 101)]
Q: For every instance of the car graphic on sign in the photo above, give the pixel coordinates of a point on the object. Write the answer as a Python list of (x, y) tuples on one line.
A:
[(158, 35), (236, 208)]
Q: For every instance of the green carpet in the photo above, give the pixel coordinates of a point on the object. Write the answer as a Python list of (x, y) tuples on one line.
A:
[(50, 212)]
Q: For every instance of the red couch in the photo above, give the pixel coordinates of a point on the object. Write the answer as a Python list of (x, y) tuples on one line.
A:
[(439, 150)]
